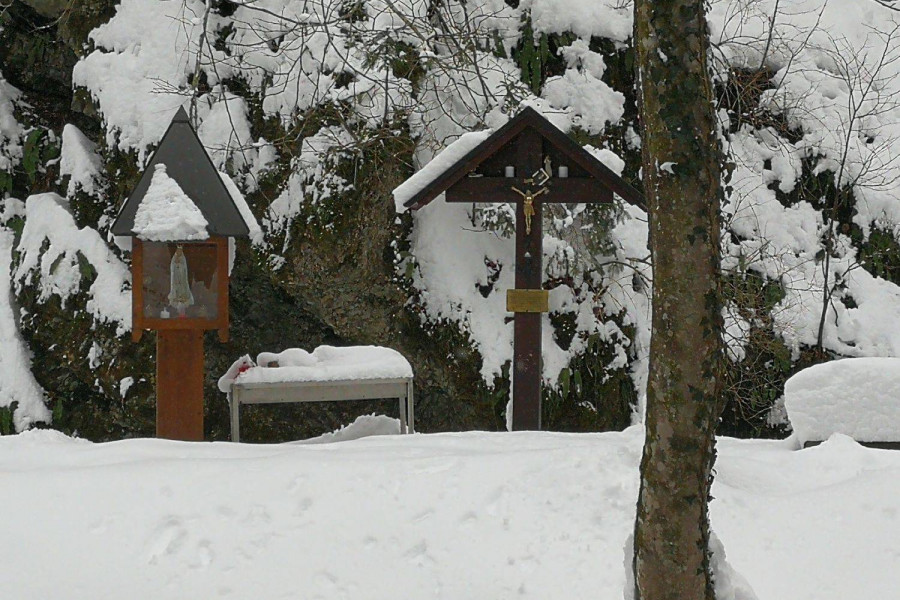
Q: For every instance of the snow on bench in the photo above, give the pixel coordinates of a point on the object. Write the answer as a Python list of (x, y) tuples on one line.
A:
[(857, 397), (327, 374)]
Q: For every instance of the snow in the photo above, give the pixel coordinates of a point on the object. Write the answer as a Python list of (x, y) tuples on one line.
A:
[(17, 385), (79, 161), (167, 214), (225, 132), (51, 247), (835, 77), (729, 583), (241, 364), (448, 157), (364, 426), (457, 515), (124, 385), (311, 181), (141, 64), (11, 131), (256, 235), (585, 18), (326, 363), (857, 397), (589, 101)]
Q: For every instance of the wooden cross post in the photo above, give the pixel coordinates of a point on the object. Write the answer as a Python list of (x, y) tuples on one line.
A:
[(529, 276), (546, 166), (531, 188)]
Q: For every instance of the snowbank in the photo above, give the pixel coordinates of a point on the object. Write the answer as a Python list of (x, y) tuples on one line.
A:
[(17, 385), (364, 426), (858, 397), (529, 515)]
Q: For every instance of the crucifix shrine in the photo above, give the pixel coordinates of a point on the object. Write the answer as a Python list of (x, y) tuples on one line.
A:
[(528, 162)]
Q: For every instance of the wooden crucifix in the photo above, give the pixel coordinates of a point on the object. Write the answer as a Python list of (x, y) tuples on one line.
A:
[(528, 162)]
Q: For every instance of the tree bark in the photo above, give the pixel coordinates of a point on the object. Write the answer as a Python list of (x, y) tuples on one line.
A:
[(682, 169)]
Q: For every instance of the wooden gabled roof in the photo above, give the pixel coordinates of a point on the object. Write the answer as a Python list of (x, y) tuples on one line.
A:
[(527, 118), (188, 163)]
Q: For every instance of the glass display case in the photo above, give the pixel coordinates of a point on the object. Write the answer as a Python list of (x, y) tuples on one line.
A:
[(180, 285)]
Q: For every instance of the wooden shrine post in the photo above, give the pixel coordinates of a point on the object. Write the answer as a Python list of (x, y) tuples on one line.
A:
[(527, 162), (180, 218), (179, 384)]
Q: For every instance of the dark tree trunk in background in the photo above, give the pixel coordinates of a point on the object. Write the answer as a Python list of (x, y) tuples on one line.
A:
[(682, 183)]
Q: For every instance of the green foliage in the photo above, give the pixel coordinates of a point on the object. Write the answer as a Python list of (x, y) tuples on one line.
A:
[(38, 150), (6, 418), (85, 400), (755, 383), (591, 396), (6, 182), (880, 255), (537, 55)]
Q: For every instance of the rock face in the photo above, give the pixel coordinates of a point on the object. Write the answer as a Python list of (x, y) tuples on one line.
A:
[(51, 9), (338, 286), (338, 283)]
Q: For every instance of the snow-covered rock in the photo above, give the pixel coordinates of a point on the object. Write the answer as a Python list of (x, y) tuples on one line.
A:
[(79, 161), (858, 397)]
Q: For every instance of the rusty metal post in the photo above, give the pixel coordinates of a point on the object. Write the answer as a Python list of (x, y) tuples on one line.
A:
[(179, 384)]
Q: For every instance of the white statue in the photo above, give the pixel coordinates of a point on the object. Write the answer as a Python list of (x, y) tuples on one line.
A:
[(180, 295)]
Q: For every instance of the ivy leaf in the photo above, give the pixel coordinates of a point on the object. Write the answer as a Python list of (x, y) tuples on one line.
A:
[(31, 156)]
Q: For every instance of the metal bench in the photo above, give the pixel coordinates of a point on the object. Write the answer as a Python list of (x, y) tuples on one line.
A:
[(322, 391)]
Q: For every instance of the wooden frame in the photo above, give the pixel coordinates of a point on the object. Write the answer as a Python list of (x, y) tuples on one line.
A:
[(141, 322), (323, 391), (458, 190)]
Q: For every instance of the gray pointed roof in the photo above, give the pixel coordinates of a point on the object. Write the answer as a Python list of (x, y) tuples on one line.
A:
[(189, 165)]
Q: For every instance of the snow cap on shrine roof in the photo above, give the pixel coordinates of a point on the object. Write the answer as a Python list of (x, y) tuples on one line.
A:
[(188, 164), (471, 150)]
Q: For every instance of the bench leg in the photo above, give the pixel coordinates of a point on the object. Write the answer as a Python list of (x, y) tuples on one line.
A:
[(410, 407), (235, 418), (403, 415)]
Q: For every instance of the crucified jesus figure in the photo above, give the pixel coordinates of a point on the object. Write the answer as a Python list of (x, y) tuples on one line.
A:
[(528, 205)]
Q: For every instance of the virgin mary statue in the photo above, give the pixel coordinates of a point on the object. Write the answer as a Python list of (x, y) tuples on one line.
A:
[(180, 296)]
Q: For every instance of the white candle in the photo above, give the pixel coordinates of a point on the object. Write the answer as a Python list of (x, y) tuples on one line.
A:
[(510, 171), (563, 171)]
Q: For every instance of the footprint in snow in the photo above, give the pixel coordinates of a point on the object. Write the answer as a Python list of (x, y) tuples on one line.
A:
[(167, 540)]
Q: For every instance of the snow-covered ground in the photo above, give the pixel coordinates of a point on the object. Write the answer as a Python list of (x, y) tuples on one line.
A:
[(455, 516)]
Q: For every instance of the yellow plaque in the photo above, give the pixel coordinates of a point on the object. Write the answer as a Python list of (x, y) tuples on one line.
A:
[(527, 301)]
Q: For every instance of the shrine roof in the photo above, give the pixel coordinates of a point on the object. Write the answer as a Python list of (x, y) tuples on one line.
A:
[(188, 164), (463, 156)]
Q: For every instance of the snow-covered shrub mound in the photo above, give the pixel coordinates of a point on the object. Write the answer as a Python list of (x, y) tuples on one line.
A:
[(858, 397), (364, 426)]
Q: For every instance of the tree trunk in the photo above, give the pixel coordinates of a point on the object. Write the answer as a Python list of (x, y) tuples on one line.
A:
[(682, 182)]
